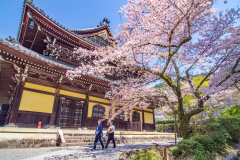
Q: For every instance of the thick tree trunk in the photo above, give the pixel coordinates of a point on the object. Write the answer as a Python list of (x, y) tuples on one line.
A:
[(184, 127)]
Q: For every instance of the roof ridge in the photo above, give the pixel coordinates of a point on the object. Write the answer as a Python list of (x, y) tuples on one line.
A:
[(88, 28)]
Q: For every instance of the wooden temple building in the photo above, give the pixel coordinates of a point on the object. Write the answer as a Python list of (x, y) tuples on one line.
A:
[(33, 85)]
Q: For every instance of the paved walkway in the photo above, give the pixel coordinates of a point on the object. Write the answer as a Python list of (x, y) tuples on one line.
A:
[(65, 153)]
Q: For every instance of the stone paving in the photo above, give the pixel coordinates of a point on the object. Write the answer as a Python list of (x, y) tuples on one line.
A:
[(70, 153)]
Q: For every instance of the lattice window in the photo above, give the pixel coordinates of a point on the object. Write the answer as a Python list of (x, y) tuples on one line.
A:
[(98, 111), (119, 117), (135, 116)]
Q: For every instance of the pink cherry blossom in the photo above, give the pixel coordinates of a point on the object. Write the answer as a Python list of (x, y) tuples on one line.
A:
[(169, 41)]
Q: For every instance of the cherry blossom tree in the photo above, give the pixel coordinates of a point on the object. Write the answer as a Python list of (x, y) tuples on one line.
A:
[(169, 41)]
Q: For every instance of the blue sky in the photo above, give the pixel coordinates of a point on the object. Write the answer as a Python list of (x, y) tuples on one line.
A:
[(73, 14)]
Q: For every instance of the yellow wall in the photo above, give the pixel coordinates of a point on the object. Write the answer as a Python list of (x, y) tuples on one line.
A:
[(90, 107), (91, 98), (72, 94), (148, 117), (36, 102), (39, 87)]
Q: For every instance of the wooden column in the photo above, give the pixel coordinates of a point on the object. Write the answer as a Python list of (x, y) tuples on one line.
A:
[(58, 112), (17, 99), (154, 123), (85, 111), (55, 109), (143, 120), (54, 118)]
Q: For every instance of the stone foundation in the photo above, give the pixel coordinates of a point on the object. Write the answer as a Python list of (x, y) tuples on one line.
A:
[(27, 140), (27, 143)]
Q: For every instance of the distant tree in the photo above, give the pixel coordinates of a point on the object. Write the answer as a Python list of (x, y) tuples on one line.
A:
[(169, 40)]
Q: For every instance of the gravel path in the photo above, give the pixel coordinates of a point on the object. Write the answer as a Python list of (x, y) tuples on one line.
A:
[(65, 153)]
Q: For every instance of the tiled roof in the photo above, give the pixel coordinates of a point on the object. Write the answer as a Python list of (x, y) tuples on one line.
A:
[(31, 53), (91, 29)]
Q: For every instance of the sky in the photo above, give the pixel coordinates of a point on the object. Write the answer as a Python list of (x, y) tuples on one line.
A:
[(73, 14)]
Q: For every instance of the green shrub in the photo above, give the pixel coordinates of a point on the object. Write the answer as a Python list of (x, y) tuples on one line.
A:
[(165, 122), (160, 129), (195, 147), (217, 133), (176, 152), (149, 154), (190, 146), (235, 110), (232, 125), (211, 137), (207, 143)]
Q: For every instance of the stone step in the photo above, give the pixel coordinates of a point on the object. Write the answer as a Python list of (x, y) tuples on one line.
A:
[(79, 144), (77, 137), (77, 134), (78, 141)]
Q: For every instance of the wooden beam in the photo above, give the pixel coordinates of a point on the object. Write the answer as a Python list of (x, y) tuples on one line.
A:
[(154, 120), (143, 120)]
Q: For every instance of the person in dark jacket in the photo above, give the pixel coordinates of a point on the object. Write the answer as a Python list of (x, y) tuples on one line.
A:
[(110, 133), (99, 134)]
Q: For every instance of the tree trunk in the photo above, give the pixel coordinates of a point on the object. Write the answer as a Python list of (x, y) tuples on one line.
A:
[(184, 127)]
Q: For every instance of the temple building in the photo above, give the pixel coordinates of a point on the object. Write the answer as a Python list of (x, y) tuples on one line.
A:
[(33, 83)]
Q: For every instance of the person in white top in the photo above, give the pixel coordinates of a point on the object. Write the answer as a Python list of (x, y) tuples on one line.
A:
[(110, 133)]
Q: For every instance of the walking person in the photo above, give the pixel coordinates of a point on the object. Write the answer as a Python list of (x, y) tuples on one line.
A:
[(99, 134), (110, 133)]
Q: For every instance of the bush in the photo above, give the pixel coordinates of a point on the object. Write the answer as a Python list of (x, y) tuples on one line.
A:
[(176, 152), (165, 122), (195, 147), (232, 125), (217, 133), (212, 137), (160, 129), (235, 110), (149, 154), (207, 143), (190, 147)]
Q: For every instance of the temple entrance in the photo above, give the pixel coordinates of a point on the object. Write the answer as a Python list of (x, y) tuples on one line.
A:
[(70, 113)]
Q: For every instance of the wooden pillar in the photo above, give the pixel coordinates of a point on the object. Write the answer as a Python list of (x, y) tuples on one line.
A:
[(18, 97), (154, 123), (143, 120), (61, 99), (54, 117), (85, 111), (55, 109)]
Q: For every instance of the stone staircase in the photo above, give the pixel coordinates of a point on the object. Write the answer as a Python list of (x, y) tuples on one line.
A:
[(87, 139), (77, 139)]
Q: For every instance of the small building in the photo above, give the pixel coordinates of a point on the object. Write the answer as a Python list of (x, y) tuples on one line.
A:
[(33, 85)]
